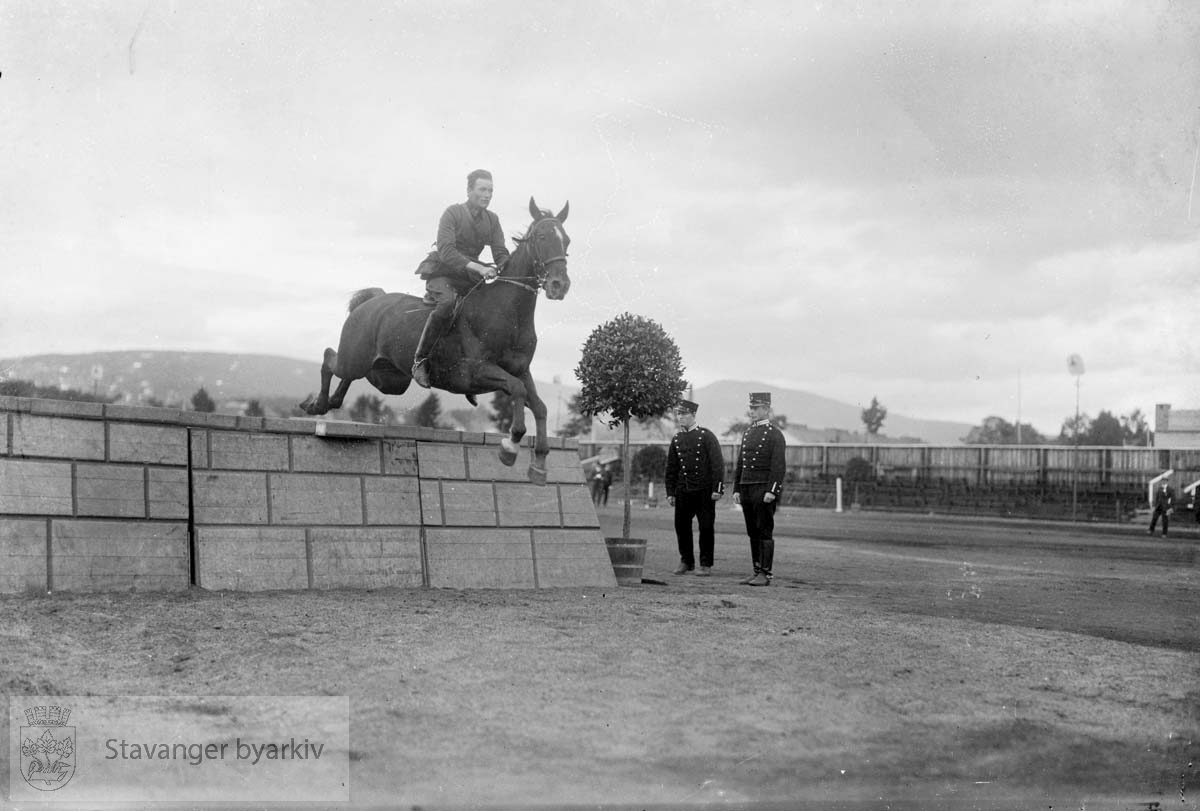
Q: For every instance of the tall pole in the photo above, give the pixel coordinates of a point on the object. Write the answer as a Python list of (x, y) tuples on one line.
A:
[(1075, 456), (1019, 406), (1075, 367)]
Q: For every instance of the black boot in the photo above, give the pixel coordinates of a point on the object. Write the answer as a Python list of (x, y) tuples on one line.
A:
[(435, 327)]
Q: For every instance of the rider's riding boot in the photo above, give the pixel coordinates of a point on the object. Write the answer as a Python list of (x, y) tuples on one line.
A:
[(439, 319)]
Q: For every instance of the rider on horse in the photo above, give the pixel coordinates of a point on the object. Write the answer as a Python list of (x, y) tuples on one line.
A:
[(450, 271)]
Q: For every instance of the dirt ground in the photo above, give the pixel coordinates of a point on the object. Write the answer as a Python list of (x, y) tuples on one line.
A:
[(897, 661)]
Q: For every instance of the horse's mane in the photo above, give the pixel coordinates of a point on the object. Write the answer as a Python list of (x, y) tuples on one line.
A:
[(519, 236)]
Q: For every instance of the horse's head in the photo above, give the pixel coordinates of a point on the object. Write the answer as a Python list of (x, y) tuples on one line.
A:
[(547, 244)]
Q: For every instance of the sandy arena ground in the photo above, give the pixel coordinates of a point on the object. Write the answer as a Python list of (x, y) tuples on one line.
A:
[(897, 661)]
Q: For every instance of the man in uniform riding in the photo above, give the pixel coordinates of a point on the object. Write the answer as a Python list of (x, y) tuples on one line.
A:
[(464, 230)]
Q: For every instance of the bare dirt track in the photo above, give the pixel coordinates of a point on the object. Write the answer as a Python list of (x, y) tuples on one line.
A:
[(897, 661)]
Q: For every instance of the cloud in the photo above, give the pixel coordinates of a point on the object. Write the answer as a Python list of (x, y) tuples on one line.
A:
[(911, 201)]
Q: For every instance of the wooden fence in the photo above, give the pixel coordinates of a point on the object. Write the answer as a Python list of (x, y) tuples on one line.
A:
[(1098, 483)]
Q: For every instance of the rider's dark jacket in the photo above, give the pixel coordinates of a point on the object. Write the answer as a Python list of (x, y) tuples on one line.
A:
[(463, 232)]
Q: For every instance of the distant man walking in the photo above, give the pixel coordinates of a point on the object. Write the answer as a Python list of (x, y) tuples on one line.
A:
[(1164, 505), (695, 482), (758, 484)]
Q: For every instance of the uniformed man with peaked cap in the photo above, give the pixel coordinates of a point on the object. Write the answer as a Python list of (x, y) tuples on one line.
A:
[(758, 483), (695, 481)]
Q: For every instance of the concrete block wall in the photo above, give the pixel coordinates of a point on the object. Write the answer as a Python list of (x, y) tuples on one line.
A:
[(103, 497)]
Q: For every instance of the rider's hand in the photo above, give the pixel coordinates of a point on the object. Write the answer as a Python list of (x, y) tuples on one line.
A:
[(768, 498), (488, 273), (716, 496), (671, 500), (737, 497)]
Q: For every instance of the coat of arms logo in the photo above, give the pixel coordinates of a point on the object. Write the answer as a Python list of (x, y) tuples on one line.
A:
[(47, 748)]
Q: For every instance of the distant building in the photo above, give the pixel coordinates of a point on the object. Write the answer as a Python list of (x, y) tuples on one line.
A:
[(1176, 429)]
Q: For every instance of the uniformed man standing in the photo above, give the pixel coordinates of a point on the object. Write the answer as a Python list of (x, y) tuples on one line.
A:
[(758, 484), (695, 481)]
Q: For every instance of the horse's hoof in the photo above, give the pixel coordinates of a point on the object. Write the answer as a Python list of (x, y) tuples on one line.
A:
[(537, 475), (508, 458)]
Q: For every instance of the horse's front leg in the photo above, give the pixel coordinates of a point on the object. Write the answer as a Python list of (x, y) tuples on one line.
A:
[(541, 446), (490, 377)]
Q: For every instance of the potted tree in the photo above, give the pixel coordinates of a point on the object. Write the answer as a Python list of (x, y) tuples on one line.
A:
[(630, 369)]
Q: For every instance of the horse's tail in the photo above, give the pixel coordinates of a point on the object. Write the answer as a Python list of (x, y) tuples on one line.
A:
[(366, 294)]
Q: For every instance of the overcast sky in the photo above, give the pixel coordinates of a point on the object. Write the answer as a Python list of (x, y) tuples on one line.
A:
[(932, 203)]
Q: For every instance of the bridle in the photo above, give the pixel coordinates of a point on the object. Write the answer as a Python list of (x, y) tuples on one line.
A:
[(540, 265)]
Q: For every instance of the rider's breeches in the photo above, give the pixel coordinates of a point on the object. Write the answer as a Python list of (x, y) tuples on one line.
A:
[(439, 320)]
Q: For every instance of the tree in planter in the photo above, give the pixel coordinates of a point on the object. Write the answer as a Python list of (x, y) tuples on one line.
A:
[(630, 369)]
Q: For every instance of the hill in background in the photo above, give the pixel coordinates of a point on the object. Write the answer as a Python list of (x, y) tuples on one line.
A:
[(171, 378), (813, 418)]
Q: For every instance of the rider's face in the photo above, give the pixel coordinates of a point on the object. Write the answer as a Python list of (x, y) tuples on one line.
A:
[(481, 193)]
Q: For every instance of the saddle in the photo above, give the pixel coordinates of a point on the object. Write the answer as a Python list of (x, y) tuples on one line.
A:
[(431, 267)]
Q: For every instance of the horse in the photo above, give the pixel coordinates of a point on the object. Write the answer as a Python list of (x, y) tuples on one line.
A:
[(488, 348)]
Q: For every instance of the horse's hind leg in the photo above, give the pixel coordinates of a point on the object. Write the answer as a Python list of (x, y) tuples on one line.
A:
[(322, 403)]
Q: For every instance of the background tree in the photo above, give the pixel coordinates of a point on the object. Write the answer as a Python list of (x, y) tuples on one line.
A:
[(27, 388), (372, 409), (1134, 430), (1105, 430), (1071, 425), (739, 427), (873, 416), (859, 470), (630, 369), (650, 463), (577, 423), (254, 409), (428, 414), (202, 402), (999, 431), (502, 412)]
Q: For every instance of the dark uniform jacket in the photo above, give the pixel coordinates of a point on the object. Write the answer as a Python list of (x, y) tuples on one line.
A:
[(1164, 498), (463, 233), (761, 458), (695, 463)]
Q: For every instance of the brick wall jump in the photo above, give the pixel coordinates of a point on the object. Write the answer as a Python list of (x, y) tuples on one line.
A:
[(100, 497)]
